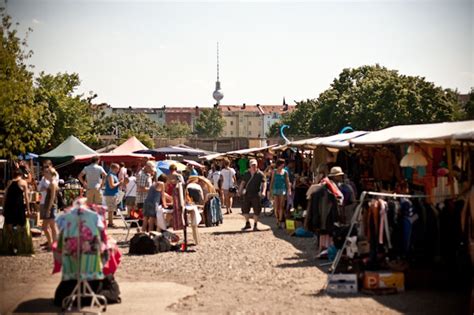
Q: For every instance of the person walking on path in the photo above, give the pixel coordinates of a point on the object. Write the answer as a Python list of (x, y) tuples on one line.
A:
[(252, 189), (279, 189), (228, 181), (112, 185), (94, 180)]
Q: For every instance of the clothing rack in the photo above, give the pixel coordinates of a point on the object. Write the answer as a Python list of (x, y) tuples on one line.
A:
[(355, 217), (83, 288)]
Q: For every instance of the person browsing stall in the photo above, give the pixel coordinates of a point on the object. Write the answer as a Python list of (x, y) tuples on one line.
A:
[(252, 189), (154, 198), (144, 182), (130, 191), (94, 179), (16, 207), (48, 210), (112, 185)]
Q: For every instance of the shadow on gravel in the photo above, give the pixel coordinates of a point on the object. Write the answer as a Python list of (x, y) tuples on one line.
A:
[(37, 306), (421, 299), (238, 232)]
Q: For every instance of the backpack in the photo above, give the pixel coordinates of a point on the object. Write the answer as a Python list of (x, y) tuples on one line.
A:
[(161, 242), (142, 244)]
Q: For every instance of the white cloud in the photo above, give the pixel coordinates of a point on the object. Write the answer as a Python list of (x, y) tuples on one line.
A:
[(36, 21)]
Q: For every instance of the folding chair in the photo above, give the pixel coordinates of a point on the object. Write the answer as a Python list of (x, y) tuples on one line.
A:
[(127, 222)]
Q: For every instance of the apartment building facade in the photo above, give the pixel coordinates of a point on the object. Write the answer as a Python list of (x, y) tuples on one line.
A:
[(251, 121), (245, 121)]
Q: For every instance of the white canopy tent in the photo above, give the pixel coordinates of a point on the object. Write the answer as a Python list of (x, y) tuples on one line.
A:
[(339, 141), (237, 152), (436, 134)]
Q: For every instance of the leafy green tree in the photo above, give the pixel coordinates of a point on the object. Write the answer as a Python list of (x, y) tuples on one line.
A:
[(274, 130), (469, 107), (128, 124), (25, 125), (210, 123), (73, 113), (177, 129), (373, 97)]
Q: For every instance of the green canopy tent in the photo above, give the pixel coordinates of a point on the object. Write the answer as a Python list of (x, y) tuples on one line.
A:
[(68, 150)]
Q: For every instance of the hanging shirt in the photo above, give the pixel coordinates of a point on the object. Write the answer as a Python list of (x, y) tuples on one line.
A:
[(243, 165), (80, 227)]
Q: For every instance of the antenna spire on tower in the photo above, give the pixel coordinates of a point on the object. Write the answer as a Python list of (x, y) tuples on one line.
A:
[(217, 95)]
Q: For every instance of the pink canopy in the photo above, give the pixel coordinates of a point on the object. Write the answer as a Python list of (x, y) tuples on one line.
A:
[(122, 153), (129, 146)]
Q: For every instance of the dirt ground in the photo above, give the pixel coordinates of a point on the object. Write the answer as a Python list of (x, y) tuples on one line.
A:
[(233, 272)]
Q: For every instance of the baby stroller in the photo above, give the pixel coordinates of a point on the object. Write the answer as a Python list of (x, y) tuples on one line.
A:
[(267, 207)]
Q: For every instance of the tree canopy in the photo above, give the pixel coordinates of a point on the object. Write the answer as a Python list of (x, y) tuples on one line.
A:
[(469, 107), (25, 124), (210, 123), (72, 113), (371, 98), (177, 129), (123, 125)]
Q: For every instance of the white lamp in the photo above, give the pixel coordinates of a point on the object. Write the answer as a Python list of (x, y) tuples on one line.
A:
[(413, 159)]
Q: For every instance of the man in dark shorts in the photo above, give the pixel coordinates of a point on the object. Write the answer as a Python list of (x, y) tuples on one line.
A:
[(252, 189)]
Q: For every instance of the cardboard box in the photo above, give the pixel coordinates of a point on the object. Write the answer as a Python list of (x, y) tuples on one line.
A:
[(384, 279), (363, 247), (342, 283), (290, 225)]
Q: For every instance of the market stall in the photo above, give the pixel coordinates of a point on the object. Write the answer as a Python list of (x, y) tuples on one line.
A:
[(412, 219), (68, 151)]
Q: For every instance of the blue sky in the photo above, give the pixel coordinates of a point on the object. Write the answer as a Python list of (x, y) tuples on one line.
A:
[(155, 53)]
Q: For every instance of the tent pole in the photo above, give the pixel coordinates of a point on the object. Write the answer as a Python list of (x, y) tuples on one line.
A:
[(450, 167)]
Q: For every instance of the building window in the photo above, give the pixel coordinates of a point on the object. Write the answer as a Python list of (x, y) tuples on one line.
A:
[(250, 133), (231, 122), (250, 123), (231, 133)]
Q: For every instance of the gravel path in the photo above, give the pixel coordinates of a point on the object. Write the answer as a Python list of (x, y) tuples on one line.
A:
[(244, 272)]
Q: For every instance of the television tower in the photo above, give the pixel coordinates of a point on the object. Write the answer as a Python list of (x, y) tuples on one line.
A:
[(217, 94)]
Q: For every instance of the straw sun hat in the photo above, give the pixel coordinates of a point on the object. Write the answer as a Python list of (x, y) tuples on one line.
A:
[(336, 171)]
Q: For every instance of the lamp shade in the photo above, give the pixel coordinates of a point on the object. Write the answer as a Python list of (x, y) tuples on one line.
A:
[(413, 159)]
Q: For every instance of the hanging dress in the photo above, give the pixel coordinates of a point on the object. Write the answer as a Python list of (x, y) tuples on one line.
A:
[(18, 240), (15, 207)]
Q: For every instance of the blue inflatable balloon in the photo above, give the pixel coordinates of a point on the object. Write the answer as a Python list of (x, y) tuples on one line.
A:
[(282, 134), (343, 130)]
